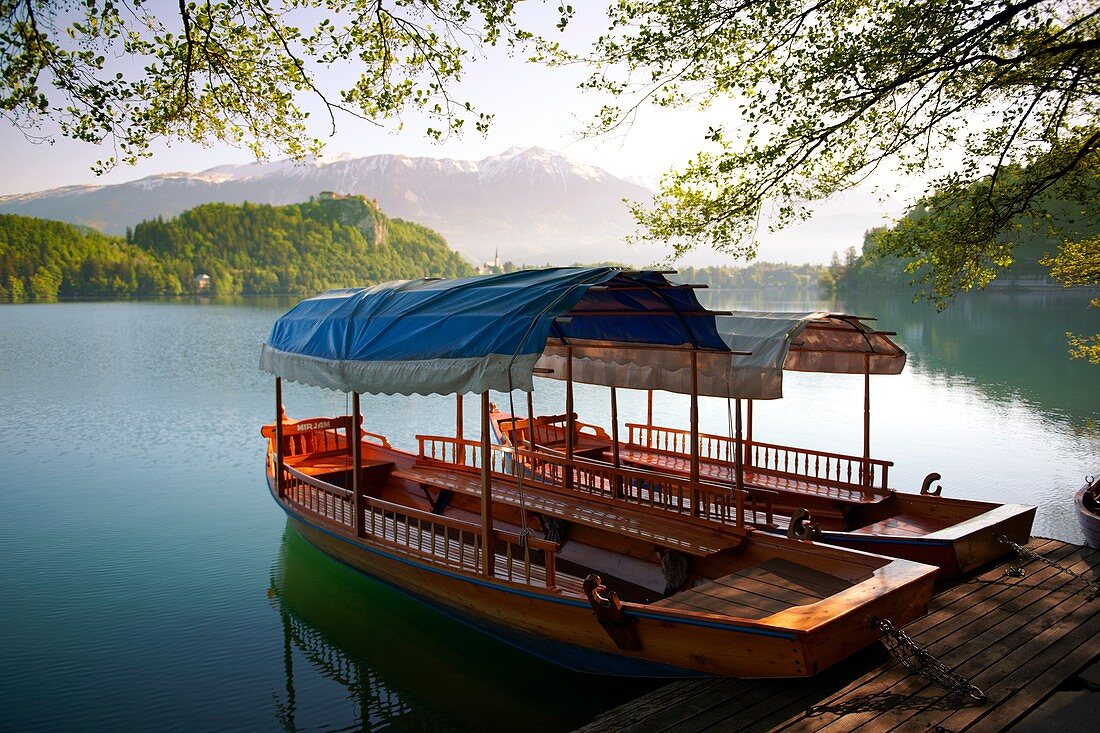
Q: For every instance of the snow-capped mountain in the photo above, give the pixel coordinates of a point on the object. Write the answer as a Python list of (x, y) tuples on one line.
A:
[(534, 205)]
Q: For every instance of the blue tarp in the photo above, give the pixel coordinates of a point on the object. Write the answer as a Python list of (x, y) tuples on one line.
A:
[(474, 334)]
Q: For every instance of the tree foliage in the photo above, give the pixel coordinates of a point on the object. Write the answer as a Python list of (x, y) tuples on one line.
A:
[(129, 72), (246, 250), (1006, 91)]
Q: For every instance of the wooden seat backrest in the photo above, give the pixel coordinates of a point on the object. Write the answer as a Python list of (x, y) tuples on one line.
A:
[(316, 435)]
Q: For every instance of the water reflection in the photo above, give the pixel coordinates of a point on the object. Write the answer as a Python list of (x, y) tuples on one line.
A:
[(1010, 344), (358, 655), (372, 705)]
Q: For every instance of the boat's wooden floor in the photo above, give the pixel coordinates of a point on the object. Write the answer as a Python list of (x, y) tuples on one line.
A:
[(758, 591), (723, 473), (903, 525), (318, 464), (1015, 638), (669, 531)]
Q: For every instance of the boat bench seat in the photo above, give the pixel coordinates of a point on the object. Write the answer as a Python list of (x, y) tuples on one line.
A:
[(671, 531)]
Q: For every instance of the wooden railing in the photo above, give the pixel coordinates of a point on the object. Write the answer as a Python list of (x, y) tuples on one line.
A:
[(821, 467), (636, 487), (440, 540), (317, 497)]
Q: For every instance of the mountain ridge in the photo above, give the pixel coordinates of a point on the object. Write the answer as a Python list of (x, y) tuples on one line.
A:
[(535, 205)]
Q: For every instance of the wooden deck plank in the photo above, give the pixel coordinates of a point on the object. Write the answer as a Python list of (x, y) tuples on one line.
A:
[(800, 575), (905, 525), (1016, 638), (757, 591), (766, 585), (714, 598), (1012, 625), (890, 686)]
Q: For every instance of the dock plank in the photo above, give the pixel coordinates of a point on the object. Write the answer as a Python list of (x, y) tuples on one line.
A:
[(1015, 638)]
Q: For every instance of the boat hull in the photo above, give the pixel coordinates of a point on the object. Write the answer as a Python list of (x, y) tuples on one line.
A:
[(1088, 515), (959, 548), (563, 629)]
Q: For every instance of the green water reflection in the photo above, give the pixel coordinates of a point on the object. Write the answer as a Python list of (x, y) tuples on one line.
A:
[(393, 662)]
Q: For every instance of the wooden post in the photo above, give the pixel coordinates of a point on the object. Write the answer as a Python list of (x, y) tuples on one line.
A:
[(695, 433), (458, 417), (460, 451), (617, 484), (746, 453), (649, 419), (570, 423), (487, 551), (279, 437), (738, 466), (531, 421), (867, 421), (356, 441)]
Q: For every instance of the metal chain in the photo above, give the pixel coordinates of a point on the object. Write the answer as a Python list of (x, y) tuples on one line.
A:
[(1027, 553), (918, 661)]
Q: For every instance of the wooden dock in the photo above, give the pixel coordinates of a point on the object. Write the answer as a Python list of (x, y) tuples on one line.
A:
[(1016, 638)]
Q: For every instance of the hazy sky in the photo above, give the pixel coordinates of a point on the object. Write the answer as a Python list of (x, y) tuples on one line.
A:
[(533, 105)]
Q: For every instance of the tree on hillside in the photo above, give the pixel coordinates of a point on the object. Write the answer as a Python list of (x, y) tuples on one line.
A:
[(128, 72), (993, 102)]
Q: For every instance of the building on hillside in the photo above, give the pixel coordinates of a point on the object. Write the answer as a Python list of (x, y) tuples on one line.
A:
[(202, 283), (491, 268)]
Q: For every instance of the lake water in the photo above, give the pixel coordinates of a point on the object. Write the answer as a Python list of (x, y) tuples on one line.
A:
[(147, 580)]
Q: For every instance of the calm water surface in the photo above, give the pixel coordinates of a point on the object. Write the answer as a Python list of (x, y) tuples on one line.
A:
[(147, 581)]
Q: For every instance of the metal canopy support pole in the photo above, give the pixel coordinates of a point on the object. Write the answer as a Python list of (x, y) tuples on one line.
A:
[(694, 432), (487, 551), (279, 437), (570, 423), (867, 421), (649, 419), (356, 464)]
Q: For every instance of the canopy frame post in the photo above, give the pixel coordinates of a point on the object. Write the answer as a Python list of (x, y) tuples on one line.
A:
[(617, 483), (649, 419), (746, 451), (530, 421), (460, 454), (867, 423), (279, 437), (488, 555), (738, 465), (356, 441), (570, 422), (695, 509)]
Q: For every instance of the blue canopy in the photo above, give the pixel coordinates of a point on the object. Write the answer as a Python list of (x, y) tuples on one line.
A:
[(478, 333)]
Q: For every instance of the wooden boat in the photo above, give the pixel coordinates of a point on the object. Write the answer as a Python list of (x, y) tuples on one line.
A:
[(607, 569), (1087, 501), (822, 491), (844, 499)]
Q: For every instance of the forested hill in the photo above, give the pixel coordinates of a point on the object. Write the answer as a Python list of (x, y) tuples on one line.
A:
[(250, 249)]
